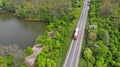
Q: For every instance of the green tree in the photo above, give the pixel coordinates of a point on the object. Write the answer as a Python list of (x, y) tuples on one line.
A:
[(50, 63), (3, 62), (10, 60), (41, 60), (58, 44), (106, 38), (88, 55), (106, 10), (100, 62), (92, 36), (28, 51), (21, 12)]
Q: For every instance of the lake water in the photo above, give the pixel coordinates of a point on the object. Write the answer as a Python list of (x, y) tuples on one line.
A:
[(18, 31)]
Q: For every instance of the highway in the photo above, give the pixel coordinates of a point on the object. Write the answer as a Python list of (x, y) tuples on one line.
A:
[(73, 55)]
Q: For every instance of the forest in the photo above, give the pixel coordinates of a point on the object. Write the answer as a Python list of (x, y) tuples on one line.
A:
[(62, 16), (43, 10), (101, 39)]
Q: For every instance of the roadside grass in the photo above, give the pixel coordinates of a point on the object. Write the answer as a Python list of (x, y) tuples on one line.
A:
[(82, 61), (70, 33)]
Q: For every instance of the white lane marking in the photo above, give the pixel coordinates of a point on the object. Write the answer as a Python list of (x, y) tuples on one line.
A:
[(81, 16), (82, 38), (72, 40), (68, 54), (81, 20), (73, 54)]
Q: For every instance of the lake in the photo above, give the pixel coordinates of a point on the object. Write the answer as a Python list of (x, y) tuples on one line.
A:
[(18, 31)]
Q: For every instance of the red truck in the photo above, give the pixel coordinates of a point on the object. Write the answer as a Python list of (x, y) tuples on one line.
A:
[(76, 34)]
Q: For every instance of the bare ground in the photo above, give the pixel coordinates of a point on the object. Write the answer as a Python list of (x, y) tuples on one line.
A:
[(30, 60)]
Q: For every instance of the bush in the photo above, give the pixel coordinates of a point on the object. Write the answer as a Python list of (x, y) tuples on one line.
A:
[(3, 62), (28, 51), (92, 36), (39, 40)]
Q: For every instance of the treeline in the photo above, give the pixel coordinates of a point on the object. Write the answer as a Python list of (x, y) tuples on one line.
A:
[(45, 10), (102, 44)]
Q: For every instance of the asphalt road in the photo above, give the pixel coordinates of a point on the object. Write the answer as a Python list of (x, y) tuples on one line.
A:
[(72, 59)]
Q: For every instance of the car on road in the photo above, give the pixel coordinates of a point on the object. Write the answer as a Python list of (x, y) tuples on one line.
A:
[(76, 34), (88, 3)]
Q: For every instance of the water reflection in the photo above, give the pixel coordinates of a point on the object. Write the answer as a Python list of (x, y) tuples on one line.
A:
[(18, 31)]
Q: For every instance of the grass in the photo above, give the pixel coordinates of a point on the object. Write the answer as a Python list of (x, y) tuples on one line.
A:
[(69, 38)]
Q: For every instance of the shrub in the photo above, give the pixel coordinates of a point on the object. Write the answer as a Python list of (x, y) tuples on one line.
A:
[(92, 36), (28, 51)]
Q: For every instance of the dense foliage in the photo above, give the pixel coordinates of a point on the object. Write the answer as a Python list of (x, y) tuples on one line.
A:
[(62, 16), (11, 56), (57, 38), (28, 51), (101, 47), (44, 10)]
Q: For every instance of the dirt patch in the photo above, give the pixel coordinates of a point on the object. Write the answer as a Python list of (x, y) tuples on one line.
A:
[(30, 60)]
